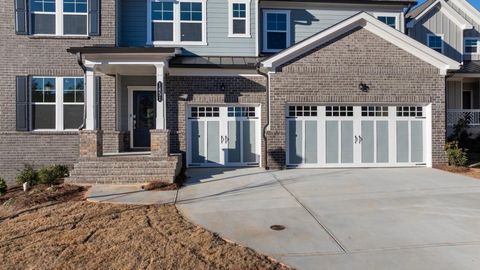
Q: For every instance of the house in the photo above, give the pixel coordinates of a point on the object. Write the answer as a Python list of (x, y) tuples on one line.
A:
[(133, 91), (452, 28)]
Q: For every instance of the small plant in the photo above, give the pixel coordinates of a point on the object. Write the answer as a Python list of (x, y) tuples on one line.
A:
[(27, 175), (3, 186), (50, 175), (456, 155)]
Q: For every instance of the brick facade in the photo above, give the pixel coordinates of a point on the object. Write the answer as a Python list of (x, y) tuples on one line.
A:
[(26, 55), (331, 74)]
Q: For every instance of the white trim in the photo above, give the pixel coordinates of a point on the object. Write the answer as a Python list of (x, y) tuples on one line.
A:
[(59, 26), (441, 36), (468, 9), (199, 72), (370, 23), (132, 89), (396, 15), (257, 27), (448, 11), (177, 24), (246, 19), (465, 45), (265, 31)]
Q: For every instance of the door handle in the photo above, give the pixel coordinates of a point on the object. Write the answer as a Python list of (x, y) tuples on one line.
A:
[(227, 139), (221, 140), (360, 139), (356, 139)]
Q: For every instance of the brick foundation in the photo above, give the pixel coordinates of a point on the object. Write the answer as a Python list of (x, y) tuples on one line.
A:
[(91, 144), (159, 142)]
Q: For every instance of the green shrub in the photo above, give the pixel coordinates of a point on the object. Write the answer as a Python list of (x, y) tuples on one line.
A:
[(3, 186), (456, 155), (28, 174), (51, 174)]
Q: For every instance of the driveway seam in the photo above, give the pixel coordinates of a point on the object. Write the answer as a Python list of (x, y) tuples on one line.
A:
[(332, 236)]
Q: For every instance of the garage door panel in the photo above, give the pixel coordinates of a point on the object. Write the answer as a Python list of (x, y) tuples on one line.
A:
[(311, 136), (382, 142), (249, 142), (295, 141), (347, 142), (234, 153), (368, 139), (198, 141), (402, 141), (213, 141), (331, 141), (417, 141)]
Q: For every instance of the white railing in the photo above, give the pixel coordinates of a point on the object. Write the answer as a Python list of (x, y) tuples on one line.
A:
[(454, 115)]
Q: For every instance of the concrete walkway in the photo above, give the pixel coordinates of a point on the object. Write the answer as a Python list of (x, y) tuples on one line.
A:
[(410, 218)]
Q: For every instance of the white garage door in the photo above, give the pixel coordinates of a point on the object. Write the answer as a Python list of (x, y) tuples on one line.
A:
[(357, 136), (223, 136)]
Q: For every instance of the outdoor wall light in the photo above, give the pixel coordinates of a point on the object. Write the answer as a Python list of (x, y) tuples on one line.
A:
[(363, 87)]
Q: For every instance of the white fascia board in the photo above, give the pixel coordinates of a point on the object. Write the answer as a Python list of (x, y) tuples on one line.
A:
[(442, 62), (469, 10), (448, 11)]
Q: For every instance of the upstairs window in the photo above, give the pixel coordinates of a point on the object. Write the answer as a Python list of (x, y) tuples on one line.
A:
[(239, 18), (389, 20), (435, 42), (177, 22), (472, 46), (59, 17), (276, 34)]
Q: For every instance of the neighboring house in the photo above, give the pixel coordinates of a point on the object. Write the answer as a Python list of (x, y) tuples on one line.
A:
[(452, 28), (203, 83)]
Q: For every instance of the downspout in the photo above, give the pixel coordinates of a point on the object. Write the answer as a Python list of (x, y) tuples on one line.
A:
[(84, 68), (267, 123)]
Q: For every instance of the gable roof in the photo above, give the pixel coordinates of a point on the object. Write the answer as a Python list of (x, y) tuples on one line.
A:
[(468, 9), (370, 23), (417, 14)]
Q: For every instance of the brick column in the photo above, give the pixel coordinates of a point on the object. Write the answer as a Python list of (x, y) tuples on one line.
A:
[(91, 144), (160, 142)]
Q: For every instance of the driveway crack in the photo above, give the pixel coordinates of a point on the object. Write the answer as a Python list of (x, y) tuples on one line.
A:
[(310, 212)]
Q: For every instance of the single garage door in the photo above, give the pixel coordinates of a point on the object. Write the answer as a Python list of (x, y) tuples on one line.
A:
[(356, 135), (223, 136)]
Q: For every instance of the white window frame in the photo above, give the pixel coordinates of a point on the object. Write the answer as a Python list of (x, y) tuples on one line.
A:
[(396, 15), (58, 20), (176, 24), (59, 89), (465, 46), (265, 31), (247, 18), (441, 36)]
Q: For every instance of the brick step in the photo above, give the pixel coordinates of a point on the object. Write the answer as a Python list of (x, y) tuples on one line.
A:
[(101, 172), (137, 179), (135, 158), (125, 165)]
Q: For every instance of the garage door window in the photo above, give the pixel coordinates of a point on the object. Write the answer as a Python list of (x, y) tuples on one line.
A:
[(241, 112), (410, 111), (205, 112), (371, 111), (339, 111), (294, 111)]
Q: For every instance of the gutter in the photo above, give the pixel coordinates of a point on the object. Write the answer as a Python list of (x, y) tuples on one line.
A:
[(84, 68), (267, 124)]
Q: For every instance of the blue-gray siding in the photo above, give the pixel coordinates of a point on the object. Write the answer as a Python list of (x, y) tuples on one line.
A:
[(134, 30), (471, 32)]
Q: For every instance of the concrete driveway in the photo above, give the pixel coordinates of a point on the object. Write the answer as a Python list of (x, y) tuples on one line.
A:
[(409, 218)]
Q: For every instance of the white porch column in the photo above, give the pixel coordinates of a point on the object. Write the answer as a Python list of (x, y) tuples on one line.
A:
[(161, 105), (91, 98)]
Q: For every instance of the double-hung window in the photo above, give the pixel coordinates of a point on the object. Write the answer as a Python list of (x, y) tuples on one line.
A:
[(389, 20), (239, 18), (176, 22), (435, 42), (472, 45), (276, 33), (57, 103), (59, 17)]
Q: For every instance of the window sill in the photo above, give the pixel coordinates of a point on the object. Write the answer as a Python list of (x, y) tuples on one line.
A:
[(178, 44), (59, 37), (239, 36)]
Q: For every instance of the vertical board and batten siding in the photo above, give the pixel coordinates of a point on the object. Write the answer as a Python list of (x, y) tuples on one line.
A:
[(306, 22), (134, 30), (454, 95), (469, 32), (435, 22)]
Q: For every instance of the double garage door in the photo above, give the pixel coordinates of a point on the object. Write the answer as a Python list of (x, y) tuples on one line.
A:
[(357, 136), (223, 136)]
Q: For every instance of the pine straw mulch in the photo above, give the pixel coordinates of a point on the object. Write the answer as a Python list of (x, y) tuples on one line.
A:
[(472, 172)]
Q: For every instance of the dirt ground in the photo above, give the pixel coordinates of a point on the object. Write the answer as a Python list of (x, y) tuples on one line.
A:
[(75, 234), (472, 172)]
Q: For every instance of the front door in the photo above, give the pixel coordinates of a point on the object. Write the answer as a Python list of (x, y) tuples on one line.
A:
[(143, 118), (223, 136)]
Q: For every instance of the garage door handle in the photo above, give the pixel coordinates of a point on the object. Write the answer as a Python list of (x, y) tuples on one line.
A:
[(221, 139), (356, 139), (360, 139)]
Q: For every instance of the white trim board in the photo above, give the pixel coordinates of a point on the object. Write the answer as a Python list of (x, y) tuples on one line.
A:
[(370, 23), (448, 11), (247, 19)]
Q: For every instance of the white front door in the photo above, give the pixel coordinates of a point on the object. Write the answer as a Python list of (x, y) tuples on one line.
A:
[(356, 136), (223, 136)]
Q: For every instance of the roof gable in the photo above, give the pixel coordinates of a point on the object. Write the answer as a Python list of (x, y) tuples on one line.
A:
[(376, 27), (445, 8), (468, 9)]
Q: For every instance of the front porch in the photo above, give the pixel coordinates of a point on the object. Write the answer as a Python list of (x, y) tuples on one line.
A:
[(463, 102)]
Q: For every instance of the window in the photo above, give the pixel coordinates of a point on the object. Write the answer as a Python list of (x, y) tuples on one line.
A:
[(472, 46), (435, 42), (239, 18), (389, 20), (339, 111), (276, 34), (410, 111), (205, 112), (177, 22), (294, 111), (372, 111), (57, 103), (241, 112), (48, 18)]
